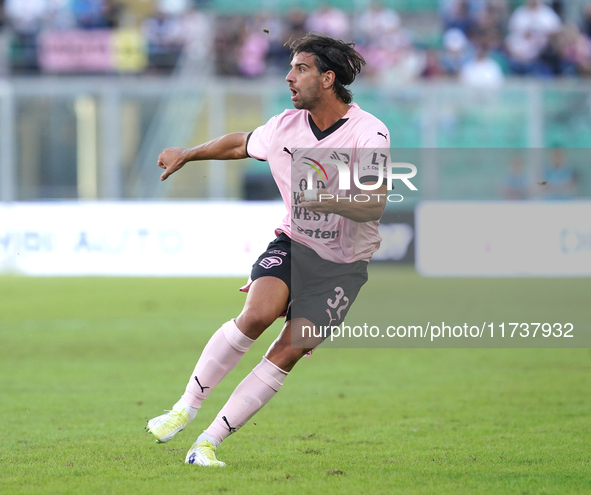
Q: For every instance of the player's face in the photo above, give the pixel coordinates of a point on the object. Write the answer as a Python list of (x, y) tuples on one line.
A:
[(304, 81)]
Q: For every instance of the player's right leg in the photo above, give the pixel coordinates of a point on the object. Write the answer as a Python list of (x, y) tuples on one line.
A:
[(266, 301), (256, 390)]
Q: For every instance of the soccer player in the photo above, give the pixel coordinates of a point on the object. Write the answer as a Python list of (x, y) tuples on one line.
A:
[(315, 267)]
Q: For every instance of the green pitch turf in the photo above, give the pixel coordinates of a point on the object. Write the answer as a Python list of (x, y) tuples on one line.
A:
[(84, 363)]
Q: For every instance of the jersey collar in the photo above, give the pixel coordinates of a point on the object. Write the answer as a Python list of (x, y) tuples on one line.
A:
[(327, 132)]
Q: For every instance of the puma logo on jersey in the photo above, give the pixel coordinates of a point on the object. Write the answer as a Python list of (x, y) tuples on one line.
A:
[(290, 153), (385, 135)]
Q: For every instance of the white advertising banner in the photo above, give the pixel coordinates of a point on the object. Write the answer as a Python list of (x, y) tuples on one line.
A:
[(135, 238), (504, 239)]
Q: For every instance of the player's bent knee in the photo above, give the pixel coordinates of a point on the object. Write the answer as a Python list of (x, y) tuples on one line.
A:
[(255, 321)]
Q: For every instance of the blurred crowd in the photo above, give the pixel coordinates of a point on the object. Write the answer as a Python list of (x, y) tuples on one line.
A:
[(481, 42), (167, 27), (478, 42), (532, 40)]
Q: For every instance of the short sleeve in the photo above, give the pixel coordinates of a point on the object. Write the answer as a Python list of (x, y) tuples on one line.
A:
[(373, 152), (258, 141)]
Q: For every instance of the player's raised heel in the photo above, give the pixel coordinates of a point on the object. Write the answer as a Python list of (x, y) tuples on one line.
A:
[(166, 426), (203, 454)]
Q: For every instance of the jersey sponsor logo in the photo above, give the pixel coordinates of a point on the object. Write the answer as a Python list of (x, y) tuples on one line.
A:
[(319, 234), (305, 214), (270, 262), (316, 165), (278, 251), (385, 135)]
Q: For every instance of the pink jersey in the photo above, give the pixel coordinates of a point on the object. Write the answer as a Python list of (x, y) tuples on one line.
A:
[(295, 148)]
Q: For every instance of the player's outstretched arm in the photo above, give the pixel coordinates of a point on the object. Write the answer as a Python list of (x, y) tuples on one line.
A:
[(228, 147), (358, 211)]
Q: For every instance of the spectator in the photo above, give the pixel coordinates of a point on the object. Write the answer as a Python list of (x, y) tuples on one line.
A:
[(252, 56), (113, 12), (387, 48), (196, 39), (166, 33), (174, 7), (329, 20), (586, 22), (515, 182), (394, 60), (559, 178), (281, 32), (228, 32), (432, 68), (531, 27), (491, 24), (535, 19), (482, 72), (574, 49), (296, 25), (25, 16), (376, 23), (524, 50), (493, 16), (568, 52), (59, 15), (89, 14), (165, 38), (457, 51), (456, 14)]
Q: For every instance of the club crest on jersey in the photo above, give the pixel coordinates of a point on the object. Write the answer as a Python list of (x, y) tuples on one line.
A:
[(270, 262)]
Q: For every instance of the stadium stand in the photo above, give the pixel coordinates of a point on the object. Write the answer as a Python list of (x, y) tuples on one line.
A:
[(415, 81)]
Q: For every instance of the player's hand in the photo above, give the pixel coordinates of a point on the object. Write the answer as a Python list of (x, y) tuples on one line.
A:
[(171, 160)]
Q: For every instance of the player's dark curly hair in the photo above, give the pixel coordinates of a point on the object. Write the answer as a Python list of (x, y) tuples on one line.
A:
[(334, 55)]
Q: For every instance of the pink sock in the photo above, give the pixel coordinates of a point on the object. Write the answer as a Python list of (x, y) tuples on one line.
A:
[(250, 396), (223, 351)]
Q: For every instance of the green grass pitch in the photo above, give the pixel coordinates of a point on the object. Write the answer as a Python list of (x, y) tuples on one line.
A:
[(85, 362)]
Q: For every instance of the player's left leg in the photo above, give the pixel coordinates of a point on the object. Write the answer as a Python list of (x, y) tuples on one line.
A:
[(266, 301), (258, 388)]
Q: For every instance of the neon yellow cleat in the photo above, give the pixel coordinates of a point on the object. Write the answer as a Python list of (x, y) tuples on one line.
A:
[(203, 454), (165, 427)]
